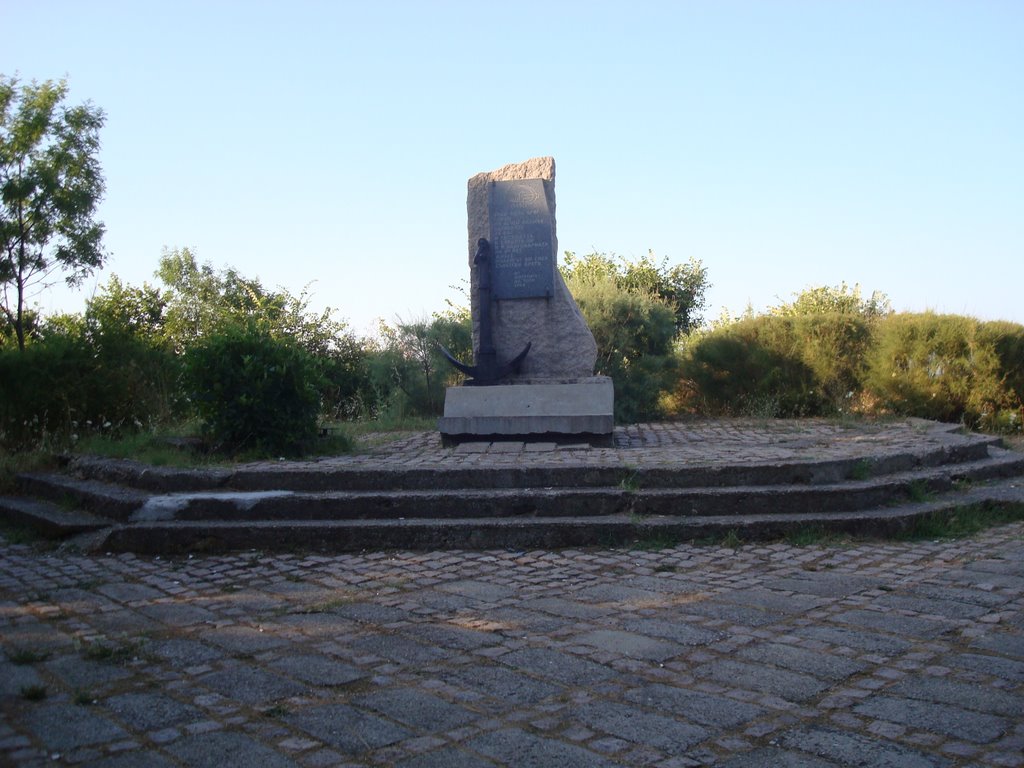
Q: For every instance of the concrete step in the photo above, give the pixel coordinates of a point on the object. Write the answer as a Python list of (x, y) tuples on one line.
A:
[(47, 518), (130, 505), (107, 500), (180, 536)]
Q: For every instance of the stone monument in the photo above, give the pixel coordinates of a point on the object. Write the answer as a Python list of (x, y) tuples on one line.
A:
[(534, 354)]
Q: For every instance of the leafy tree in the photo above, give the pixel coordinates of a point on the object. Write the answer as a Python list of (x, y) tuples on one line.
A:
[(680, 286), (201, 300), (50, 186), (841, 300), (410, 373), (637, 311)]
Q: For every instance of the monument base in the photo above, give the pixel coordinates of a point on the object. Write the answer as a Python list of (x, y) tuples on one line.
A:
[(581, 408)]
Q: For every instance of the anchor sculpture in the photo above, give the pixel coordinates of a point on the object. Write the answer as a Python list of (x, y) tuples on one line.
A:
[(487, 370)]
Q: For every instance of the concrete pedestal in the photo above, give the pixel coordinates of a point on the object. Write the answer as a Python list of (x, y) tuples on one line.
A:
[(582, 408)]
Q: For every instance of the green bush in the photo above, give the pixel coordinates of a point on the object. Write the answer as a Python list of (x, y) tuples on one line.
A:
[(635, 333), (732, 371), (254, 391), (949, 368), (802, 365), (74, 380)]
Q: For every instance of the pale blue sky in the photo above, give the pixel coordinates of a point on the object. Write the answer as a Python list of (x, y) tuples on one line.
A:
[(784, 144)]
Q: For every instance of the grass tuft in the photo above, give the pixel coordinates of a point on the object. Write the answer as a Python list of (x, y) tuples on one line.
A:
[(33, 692), (23, 656)]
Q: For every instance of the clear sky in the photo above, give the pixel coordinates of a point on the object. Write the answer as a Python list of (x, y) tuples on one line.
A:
[(784, 144)]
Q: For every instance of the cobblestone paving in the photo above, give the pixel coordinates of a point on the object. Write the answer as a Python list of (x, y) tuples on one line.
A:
[(879, 654), (708, 443)]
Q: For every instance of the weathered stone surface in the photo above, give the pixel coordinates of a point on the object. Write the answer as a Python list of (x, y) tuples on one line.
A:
[(563, 346)]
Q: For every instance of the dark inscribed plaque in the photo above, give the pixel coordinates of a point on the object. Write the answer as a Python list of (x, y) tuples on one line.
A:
[(523, 258)]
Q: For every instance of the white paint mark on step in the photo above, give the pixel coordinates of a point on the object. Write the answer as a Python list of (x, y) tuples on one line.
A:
[(168, 507)]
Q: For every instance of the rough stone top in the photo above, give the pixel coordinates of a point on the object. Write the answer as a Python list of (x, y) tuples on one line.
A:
[(534, 168)]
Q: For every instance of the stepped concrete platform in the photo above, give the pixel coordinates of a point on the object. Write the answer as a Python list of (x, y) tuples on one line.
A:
[(675, 481)]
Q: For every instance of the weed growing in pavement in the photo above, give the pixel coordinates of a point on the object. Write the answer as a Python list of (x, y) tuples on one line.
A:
[(122, 653), (958, 523), (83, 698), (732, 539), (631, 481), (654, 542), (33, 692), (861, 470), (22, 656), (918, 491)]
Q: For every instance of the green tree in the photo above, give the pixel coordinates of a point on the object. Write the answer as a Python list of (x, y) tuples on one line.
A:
[(50, 186), (409, 371), (839, 300), (680, 286)]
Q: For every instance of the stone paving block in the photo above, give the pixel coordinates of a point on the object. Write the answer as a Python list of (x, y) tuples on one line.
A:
[(975, 727), (695, 706), (347, 729), (621, 595), (243, 639), (962, 695), (932, 606), (960, 595), (125, 622), (527, 621), (184, 652), (459, 638), (64, 727), (827, 666), (745, 615), (791, 686), (630, 644), (316, 669), (14, 677), (676, 631), (980, 578), (569, 609), (854, 749), (416, 708), (773, 757), (397, 648), (555, 665), (824, 584), (445, 758), (178, 614), (1001, 642), (772, 602), (151, 711), (897, 624), (483, 591), (216, 750), (370, 613), (77, 673), (250, 685), (640, 726), (510, 687), (124, 592), (37, 637), (512, 746), (888, 645), (141, 758), (1006, 669)]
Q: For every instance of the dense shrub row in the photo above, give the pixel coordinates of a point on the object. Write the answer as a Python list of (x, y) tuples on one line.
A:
[(260, 371), (944, 367)]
